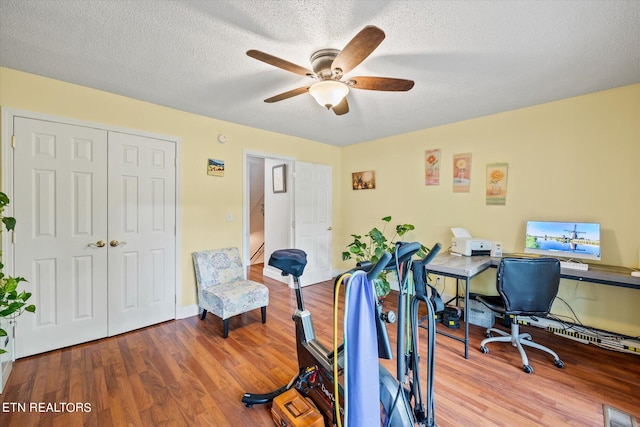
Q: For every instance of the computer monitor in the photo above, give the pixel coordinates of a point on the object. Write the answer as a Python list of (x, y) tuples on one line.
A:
[(563, 239)]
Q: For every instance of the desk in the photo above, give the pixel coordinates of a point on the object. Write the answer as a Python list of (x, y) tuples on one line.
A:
[(460, 268), (465, 268)]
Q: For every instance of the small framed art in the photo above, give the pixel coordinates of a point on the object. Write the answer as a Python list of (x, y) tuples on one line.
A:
[(215, 167), (363, 180), (278, 174)]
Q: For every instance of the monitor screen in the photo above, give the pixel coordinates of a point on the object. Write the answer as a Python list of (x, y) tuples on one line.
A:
[(563, 239)]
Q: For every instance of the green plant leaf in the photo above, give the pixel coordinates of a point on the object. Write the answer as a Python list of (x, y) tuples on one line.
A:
[(356, 250), (9, 222), (12, 303), (3, 333), (6, 312), (11, 285), (378, 238), (24, 296), (386, 219), (4, 199), (404, 228)]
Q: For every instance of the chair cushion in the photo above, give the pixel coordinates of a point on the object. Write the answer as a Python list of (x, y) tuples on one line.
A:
[(218, 266), (493, 302), (222, 289), (233, 298)]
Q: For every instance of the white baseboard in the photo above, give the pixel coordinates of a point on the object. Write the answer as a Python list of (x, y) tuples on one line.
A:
[(187, 311), (275, 274)]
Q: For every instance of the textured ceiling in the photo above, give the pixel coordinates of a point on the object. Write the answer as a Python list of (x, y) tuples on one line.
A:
[(468, 59)]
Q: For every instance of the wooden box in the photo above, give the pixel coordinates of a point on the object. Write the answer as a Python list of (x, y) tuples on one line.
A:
[(291, 409)]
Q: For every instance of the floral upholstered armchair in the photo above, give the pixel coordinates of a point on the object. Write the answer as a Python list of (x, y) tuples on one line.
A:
[(222, 288)]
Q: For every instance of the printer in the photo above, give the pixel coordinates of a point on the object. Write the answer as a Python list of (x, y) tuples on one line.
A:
[(464, 244)]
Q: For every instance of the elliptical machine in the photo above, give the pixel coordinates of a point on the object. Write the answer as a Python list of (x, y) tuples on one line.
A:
[(315, 378)]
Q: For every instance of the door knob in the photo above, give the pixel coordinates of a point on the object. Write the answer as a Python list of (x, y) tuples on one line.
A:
[(329, 228), (115, 243), (99, 243)]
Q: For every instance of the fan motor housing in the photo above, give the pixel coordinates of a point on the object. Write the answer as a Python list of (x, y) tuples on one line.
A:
[(321, 61)]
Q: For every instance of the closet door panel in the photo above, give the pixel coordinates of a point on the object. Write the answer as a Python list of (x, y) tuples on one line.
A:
[(142, 231), (60, 179)]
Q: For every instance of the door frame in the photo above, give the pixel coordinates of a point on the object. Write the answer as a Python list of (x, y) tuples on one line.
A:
[(247, 206), (6, 185)]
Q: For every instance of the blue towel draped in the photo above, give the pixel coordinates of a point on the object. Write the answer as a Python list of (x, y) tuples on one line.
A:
[(362, 383)]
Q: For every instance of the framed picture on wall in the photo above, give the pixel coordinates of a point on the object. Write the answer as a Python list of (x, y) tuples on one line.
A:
[(496, 183), (363, 180), (278, 174), (215, 167), (461, 173), (432, 167)]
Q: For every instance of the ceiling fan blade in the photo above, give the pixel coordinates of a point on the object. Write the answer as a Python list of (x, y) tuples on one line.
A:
[(381, 83), (342, 107), (278, 62), (288, 94), (358, 48)]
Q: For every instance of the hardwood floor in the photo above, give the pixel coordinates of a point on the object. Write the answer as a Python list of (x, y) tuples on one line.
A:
[(183, 373)]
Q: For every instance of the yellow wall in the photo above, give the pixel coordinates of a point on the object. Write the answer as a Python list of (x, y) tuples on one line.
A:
[(576, 159), (205, 199)]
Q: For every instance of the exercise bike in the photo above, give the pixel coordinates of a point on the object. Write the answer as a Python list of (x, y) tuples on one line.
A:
[(315, 378)]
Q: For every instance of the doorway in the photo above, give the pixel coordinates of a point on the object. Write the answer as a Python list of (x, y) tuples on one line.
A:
[(267, 215), (297, 213)]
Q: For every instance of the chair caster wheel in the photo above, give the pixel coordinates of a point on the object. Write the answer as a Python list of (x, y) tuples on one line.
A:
[(248, 405), (559, 363), (488, 335), (484, 349), (527, 369)]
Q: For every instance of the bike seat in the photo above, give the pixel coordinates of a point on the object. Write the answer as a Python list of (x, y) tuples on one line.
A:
[(289, 261)]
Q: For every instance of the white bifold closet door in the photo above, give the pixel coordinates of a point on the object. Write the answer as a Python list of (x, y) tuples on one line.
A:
[(95, 234)]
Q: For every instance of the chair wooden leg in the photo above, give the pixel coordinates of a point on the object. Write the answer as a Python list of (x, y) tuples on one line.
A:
[(225, 324), (204, 314), (264, 314)]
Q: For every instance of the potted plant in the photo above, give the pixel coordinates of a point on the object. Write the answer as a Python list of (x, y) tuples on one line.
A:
[(12, 302), (373, 245)]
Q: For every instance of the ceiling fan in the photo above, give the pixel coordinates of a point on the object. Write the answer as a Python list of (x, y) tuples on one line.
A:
[(329, 67)]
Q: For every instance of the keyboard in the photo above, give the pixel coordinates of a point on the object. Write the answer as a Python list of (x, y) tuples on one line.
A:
[(574, 265)]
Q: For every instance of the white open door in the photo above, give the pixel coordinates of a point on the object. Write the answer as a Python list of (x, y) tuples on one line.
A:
[(313, 221)]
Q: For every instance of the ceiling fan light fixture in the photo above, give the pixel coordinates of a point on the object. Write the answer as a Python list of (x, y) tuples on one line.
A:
[(329, 93)]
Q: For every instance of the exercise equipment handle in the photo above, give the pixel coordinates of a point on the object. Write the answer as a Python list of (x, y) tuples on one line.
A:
[(432, 254), (404, 251), (379, 266)]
